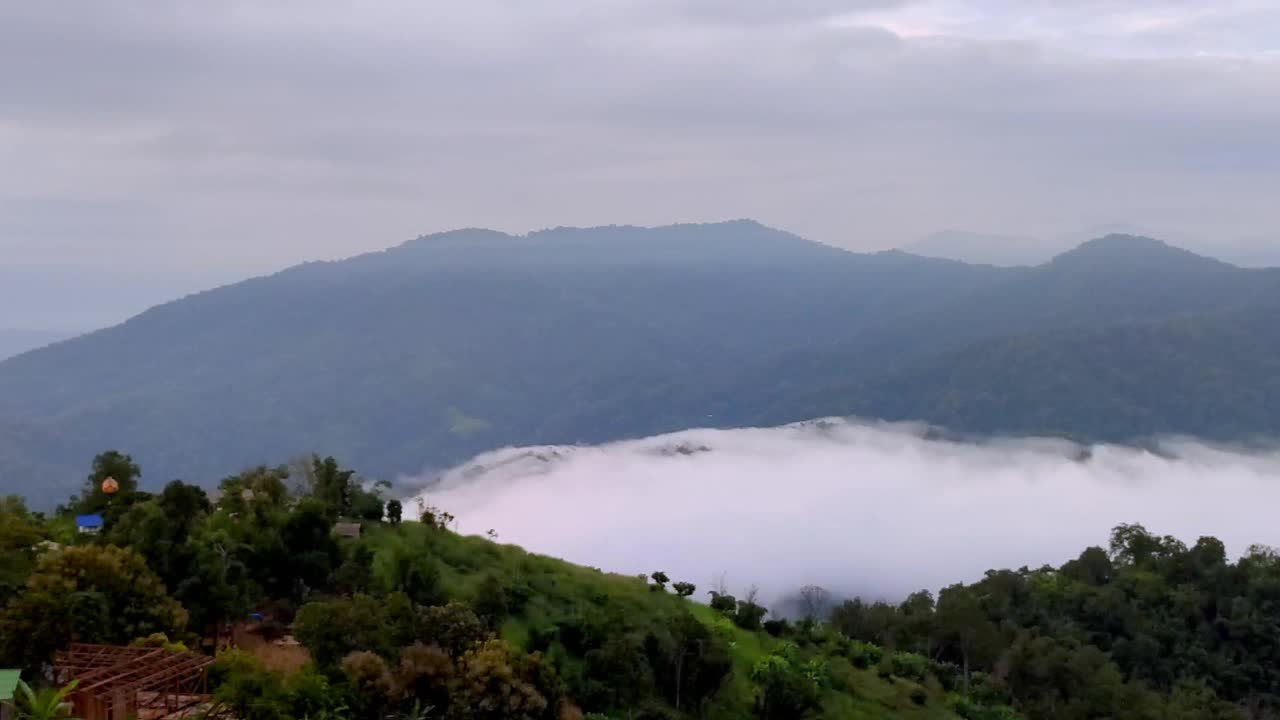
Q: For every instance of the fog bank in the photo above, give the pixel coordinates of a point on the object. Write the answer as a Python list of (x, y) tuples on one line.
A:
[(876, 509)]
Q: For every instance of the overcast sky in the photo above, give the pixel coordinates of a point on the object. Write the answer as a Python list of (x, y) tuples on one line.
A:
[(239, 136)]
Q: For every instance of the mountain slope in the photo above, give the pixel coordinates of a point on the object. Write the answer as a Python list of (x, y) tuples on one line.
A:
[(1215, 376), (426, 354), (446, 346)]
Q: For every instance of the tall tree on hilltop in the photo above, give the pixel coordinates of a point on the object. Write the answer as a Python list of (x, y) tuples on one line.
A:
[(118, 467)]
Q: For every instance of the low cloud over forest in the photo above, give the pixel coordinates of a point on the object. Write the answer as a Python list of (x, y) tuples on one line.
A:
[(872, 509)]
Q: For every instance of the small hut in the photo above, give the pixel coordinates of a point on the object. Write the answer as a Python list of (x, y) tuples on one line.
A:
[(89, 524), (347, 530)]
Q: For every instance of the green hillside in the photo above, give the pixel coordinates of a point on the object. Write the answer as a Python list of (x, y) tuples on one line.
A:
[(413, 615), (566, 596), (411, 618)]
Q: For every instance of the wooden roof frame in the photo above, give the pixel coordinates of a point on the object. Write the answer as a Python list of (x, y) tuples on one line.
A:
[(112, 677)]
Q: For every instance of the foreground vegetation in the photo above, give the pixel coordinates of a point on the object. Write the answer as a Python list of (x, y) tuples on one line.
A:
[(413, 620)]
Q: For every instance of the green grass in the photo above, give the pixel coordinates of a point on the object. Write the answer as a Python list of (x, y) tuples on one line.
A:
[(559, 589)]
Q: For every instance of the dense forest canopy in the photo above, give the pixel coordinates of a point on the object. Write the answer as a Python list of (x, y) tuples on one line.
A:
[(417, 358), (412, 618)]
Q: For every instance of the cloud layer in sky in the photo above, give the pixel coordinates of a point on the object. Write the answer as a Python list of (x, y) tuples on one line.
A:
[(247, 135), (874, 509)]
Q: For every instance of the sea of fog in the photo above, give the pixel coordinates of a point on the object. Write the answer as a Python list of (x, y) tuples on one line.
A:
[(859, 508)]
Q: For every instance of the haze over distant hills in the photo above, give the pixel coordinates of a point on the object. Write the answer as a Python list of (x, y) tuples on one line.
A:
[(1012, 250), (984, 249), (423, 355), (43, 303)]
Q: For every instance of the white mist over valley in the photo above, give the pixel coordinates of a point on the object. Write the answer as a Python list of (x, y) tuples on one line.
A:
[(873, 509)]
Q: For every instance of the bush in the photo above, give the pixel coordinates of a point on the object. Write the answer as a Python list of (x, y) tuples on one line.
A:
[(726, 604), (919, 696), (250, 691), (490, 602), (949, 674), (909, 665), (517, 594), (749, 615), (777, 628), (864, 655), (970, 709)]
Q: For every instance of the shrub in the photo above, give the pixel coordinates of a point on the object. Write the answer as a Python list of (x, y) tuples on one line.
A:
[(864, 655), (726, 604), (777, 628), (909, 665)]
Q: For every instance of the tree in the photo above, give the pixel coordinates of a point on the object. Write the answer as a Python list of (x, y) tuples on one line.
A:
[(366, 505), (493, 684), (688, 660), (19, 536), (454, 627), (371, 678), (916, 629), (813, 602), (355, 574), (312, 551), (660, 580), (331, 629), (220, 584), (331, 485), (160, 530), (783, 691), (621, 670), (425, 674), (257, 492), (414, 572), (749, 614), (394, 511), (684, 589), (47, 704), (723, 603), (247, 688), (94, 594), (110, 464), (964, 626)]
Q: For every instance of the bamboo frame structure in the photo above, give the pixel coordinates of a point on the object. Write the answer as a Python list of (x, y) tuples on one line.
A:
[(118, 682)]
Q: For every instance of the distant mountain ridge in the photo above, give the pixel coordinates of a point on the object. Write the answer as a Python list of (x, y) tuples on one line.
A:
[(1024, 250), (425, 354)]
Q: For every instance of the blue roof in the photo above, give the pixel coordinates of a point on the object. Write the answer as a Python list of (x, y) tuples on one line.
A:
[(88, 521)]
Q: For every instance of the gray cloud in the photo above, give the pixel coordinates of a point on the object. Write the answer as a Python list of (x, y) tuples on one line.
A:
[(252, 135), (872, 509)]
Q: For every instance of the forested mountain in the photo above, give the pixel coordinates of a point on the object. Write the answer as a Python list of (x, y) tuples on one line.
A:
[(425, 354)]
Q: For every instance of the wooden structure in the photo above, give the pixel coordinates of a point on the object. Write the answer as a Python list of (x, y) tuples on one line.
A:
[(347, 530), (123, 682)]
